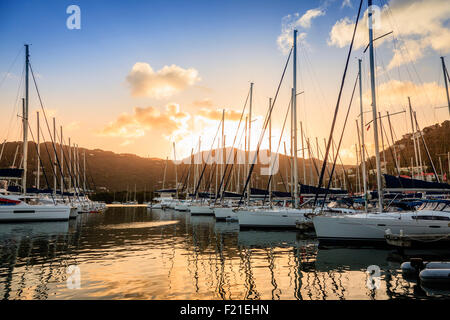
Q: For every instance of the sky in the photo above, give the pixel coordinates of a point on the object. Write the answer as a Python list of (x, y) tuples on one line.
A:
[(140, 75)]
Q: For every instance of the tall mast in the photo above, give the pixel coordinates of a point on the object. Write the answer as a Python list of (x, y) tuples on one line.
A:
[(249, 139), (374, 108), (294, 108), (245, 169), (270, 153), (70, 166), (444, 70), (25, 122), (38, 175), (223, 153), (358, 181), (62, 161), (54, 156)]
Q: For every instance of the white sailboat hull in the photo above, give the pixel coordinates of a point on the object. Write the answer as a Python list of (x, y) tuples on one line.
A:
[(277, 218), (25, 213), (181, 207), (225, 214), (372, 227), (201, 210)]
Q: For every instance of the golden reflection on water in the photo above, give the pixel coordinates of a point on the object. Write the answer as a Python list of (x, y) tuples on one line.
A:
[(132, 253)]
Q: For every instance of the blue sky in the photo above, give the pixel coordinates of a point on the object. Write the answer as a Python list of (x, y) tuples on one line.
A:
[(83, 73)]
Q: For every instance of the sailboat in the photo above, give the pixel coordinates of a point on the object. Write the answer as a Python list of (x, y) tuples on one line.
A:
[(23, 207), (429, 219), (280, 217)]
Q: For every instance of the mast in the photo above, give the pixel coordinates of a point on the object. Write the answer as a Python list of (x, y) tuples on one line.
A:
[(217, 167), (62, 161), (393, 143), (444, 70), (303, 154), (374, 108), (358, 181), (413, 136), (84, 173), (38, 154), (54, 157), (418, 148), (382, 143), (294, 107), (286, 167), (311, 162), (245, 169), (238, 188), (75, 169), (25, 122), (77, 157), (249, 140), (270, 153), (70, 166), (176, 173), (164, 177), (223, 153)]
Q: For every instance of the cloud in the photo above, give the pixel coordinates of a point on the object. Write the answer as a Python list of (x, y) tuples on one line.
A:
[(346, 3), (305, 20), (418, 24), (74, 125), (144, 81), (230, 115), (170, 122), (394, 94), (203, 103), (295, 21)]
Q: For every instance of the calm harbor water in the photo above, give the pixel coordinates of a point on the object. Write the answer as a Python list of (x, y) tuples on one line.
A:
[(136, 253)]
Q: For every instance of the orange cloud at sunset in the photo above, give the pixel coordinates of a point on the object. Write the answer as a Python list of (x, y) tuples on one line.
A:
[(143, 119), (203, 103), (395, 93), (230, 115), (144, 81)]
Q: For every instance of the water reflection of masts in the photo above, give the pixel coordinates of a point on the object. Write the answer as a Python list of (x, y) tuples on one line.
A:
[(221, 276), (297, 275), (10, 271), (271, 258), (251, 292)]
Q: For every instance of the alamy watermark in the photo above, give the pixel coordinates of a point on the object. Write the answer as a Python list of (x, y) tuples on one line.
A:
[(74, 20), (373, 281), (375, 22), (269, 161), (73, 277)]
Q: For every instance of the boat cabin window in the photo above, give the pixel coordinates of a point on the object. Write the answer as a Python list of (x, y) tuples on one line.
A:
[(431, 218), (446, 209), (441, 206)]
